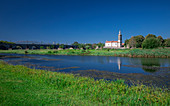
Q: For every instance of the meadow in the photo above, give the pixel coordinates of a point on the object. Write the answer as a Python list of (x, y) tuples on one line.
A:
[(20, 85), (148, 53)]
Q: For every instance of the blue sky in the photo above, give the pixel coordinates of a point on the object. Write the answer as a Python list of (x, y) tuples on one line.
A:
[(85, 21)]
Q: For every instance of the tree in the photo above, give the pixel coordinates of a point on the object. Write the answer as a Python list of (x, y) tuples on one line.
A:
[(167, 42), (150, 35), (126, 42), (41, 47), (88, 45), (161, 40), (150, 43), (94, 46), (75, 43), (81, 46), (52, 47), (6, 42), (139, 39), (132, 42), (100, 45), (61, 46)]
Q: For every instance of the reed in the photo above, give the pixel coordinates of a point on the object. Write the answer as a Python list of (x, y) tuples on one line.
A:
[(149, 53)]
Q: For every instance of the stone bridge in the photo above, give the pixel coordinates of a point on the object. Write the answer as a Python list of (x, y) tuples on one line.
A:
[(33, 46)]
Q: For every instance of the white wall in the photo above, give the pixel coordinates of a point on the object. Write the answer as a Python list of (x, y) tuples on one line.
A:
[(111, 44), (107, 44), (114, 44)]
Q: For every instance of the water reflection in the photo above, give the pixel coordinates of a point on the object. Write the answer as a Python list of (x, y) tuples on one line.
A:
[(119, 63), (106, 63), (150, 65), (113, 60)]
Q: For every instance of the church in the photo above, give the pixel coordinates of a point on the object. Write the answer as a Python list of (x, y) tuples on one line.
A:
[(115, 44)]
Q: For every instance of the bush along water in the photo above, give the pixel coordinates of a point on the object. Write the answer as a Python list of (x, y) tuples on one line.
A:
[(148, 53)]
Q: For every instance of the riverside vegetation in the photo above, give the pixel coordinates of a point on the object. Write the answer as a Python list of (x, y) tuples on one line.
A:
[(158, 53), (20, 85)]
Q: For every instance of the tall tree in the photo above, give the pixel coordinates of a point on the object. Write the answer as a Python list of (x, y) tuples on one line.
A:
[(150, 35), (161, 40), (126, 42), (75, 43), (167, 42), (132, 42), (139, 39), (150, 43)]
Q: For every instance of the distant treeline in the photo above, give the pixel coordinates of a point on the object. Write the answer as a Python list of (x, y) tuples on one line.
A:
[(148, 42), (6, 42), (78, 45), (88, 45)]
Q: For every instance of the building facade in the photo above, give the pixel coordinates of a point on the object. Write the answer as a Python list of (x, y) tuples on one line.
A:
[(115, 44)]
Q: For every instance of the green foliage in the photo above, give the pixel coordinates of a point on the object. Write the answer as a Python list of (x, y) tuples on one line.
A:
[(126, 42), (6, 42), (139, 39), (161, 40), (55, 51), (81, 46), (104, 52), (41, 47), (52, 47), (100, 45), (87, 47), (82, 50), (132, 42), (150, 43), (61, 46), (20, 85), (150, 36), (167, 42), (75, 43), (26, 52), (49, 52)]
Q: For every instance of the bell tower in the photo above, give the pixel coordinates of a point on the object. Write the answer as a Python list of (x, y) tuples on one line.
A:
[(120, 39)]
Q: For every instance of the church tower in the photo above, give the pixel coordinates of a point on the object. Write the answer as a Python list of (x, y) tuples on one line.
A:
[(119, 39)]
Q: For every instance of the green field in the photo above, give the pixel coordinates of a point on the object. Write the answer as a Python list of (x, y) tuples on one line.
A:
[(20, 85), (158, 53)]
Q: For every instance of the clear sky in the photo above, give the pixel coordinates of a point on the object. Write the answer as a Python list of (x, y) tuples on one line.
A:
[(85, 21)]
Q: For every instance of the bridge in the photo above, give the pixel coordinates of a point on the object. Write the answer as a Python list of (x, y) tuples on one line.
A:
[(5, 46)]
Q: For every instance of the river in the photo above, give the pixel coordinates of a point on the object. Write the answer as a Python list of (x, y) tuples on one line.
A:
[(146, 70)]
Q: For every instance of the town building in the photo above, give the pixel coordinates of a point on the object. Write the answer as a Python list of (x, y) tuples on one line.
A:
[(115, 44)]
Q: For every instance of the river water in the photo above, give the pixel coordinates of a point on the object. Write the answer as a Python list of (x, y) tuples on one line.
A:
[(107, 67)]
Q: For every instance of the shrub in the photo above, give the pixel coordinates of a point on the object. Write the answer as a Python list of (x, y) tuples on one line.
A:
[(82, 50), (55, 51), (41, 47), (49, 52), (150, 43), (26, 52)]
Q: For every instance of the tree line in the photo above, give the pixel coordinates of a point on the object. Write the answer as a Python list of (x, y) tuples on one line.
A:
[(6, 42), (88, 45), (148, 42)]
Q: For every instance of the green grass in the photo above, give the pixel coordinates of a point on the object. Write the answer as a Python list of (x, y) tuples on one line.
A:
[(20, 85), (163, 53)]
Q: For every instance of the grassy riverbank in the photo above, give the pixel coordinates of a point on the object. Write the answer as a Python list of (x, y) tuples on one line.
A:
[(158, 53), (24, 86)]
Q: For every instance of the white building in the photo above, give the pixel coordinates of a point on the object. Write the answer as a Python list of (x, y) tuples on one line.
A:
[(115, 44)]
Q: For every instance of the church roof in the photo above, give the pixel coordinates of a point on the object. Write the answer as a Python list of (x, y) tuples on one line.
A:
[(111, 41)]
